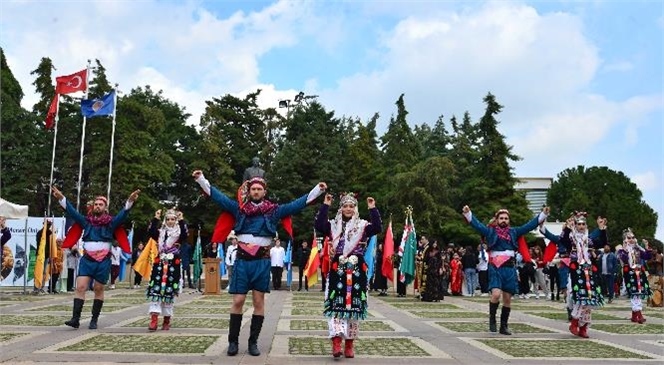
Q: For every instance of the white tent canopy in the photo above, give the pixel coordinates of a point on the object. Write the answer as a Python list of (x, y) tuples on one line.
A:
[(13, 211)]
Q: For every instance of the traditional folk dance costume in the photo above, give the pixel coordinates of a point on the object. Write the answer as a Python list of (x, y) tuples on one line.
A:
[(347, 284), (255, 224), (97, 233), (502, 246), (583, 290), (166, 277), (634, 274)]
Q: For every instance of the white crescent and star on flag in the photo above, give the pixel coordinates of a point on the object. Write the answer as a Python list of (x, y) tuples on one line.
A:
[(76, 79)]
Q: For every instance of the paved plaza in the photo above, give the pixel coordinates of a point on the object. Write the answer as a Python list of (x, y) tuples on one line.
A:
[(398, 331)]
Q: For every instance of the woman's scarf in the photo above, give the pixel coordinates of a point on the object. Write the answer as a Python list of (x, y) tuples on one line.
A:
[(351, 231)]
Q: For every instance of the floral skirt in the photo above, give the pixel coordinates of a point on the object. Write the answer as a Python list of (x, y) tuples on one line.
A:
[(585, 290), (346, 295), (165, 278), (636, 282)]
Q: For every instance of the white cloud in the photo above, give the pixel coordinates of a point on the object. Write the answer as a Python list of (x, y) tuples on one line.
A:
[(646, 181), (620, 66)]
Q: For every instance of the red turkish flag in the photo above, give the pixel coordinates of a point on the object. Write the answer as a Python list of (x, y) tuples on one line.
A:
[(52, 115), (387, 267), (72, 83)]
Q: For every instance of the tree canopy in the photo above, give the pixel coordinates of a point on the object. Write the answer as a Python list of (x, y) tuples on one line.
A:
[(435, 168)]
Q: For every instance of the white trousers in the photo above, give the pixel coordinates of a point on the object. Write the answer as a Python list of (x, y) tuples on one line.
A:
[(165, 309), (344, 327)]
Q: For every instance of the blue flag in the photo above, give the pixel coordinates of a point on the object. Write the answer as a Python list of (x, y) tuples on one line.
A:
[(99, 107), (222, 263), (288, 260), (370, 256)]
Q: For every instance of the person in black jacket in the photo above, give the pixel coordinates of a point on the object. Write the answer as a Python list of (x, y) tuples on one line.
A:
[(304, 257)]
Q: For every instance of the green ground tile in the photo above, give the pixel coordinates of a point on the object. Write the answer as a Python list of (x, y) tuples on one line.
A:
[(25, 298), (126, 301), (4, 337), (33, 320), (616, 308), (313, 305), (559, 348), (424, 305), (210, 303), (86, 308), (484, 327), (653, 314), (144, 343), (630, 329), (184, 322), (387, 347), (4, 304), (523, 307), (562, 316), (447, 314), (316, 325), (217, 309)]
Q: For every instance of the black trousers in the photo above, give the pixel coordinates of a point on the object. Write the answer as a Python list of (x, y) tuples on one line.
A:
[(71, 280), (401, 287), (554, 280), (186, 271), (484, 280), (53, 284), (137, 278), (276, 277), (306, 285)]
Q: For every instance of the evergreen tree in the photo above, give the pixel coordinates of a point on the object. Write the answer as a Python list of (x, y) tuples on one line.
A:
[(363, 159), (401, 149), (314, 153), (24, 143), (600, 191)]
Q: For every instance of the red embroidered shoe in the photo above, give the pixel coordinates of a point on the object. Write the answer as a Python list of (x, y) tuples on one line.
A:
[(336, 346), (574, 326), (583, 331), (167, 323), (154, 322), (348, 350)]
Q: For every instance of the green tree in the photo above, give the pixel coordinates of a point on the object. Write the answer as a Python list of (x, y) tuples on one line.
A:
[(313, 153), (600, 191), (363, 159), (24, 144), (401, 149)]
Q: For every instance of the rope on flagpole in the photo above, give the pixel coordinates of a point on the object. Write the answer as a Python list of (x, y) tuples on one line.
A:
[(110, 163), (85, 119), (55, 140)]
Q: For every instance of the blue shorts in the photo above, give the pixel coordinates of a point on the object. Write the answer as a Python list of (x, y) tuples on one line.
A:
[(250, 275), (99, 271), (503, 278)]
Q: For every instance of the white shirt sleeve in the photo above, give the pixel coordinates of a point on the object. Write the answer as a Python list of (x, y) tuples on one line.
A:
[(314, 193), (204, 183)]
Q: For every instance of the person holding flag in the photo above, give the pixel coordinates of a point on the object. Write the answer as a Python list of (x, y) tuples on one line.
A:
[(166, 278), (98, 230), (502, 241), (231, 254), (347, 283), (255, 225)]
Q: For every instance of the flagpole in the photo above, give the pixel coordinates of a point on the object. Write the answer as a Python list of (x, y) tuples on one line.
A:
[(110, 163), (85, 119), (55, 139)]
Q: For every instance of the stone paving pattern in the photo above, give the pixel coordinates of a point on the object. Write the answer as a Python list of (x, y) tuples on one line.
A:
[(398, 330)]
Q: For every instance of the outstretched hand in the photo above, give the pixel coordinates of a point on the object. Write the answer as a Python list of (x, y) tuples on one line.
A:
[(328, 199), (546, 210), (466, 209), (322, 186), (601, 222), (133, 196), (56, 193), (157, 214), (196, 174), (371, 203)]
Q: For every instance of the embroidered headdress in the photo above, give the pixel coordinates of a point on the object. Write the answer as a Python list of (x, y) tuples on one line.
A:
[(627, 232), (171, 213), (579, 217), (501, 211), (347, 198), (257, 180)]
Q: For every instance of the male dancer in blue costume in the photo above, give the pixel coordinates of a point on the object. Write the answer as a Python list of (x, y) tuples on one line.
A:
[(502, 242), (255, 226), (98, 233)]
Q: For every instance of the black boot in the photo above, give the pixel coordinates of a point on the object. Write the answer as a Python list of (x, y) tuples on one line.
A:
[(234, 334), (493, 308), (569, 315), (553, 297), (504, 317), (96, 310), (255, 330), (75, 320)]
